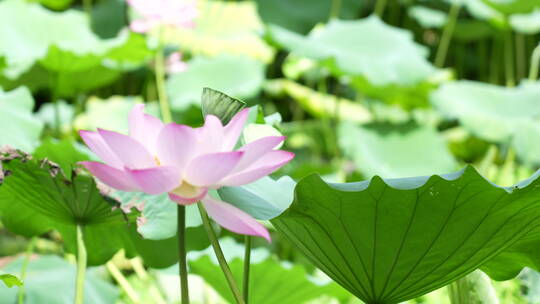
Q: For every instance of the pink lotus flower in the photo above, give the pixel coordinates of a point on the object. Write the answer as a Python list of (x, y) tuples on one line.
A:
[(186, 162), (173, 13), (175, 63)]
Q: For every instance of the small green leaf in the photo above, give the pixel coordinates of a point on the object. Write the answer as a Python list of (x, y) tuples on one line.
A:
[(10, 280), (388, 241), (219, 104)]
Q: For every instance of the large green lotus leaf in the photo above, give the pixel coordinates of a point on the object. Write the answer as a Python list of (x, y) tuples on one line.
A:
[(110, 113), (395, 151), (363, 48), (286, 13), (237, 76), (61, 41), (46, 200), (387, 241), (271, 281), (224, 27), (50, 280), (18, 126), (509, 7), (495, 113)]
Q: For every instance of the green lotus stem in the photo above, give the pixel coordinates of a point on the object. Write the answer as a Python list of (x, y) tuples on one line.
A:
[(27, 257), (335, 9), (380, 6), (87, 5), (442, 51), (181, 217), (520, 56), (219, 255), (247, 262), (182, 264), (509, 59), (81, 266), (123, 282), (159, 66), (535, 64)]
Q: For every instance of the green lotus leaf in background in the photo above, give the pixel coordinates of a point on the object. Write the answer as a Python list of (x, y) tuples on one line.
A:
[(158, 216), (395, 151), (363, 48), (286, 13), (224, 28), (49, 280), (271, 281), (54, 202), (29, 30), (509, 7), (110, 113), (428, 17), (528, 24), (18, 126), (387, 241), (263, 199), (494, 113), (238, 76), (62, 47)]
